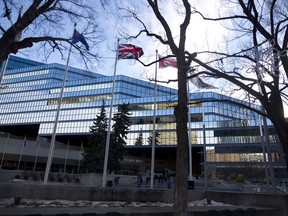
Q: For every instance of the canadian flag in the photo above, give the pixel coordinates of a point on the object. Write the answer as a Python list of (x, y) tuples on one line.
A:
[(167, 62)]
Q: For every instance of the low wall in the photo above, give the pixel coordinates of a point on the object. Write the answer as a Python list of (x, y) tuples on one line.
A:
[(51, 192), (95, 180), (278, 201), (90, 180)]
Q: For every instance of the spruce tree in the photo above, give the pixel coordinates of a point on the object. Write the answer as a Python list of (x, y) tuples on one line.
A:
[(93, 155), (120, 128), (150, 138), (139, 140)]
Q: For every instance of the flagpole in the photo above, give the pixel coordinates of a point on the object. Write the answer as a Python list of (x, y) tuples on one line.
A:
[(204, 146), (263, 148), (66, 156), (154, 124), (109, 123), (37, 152), (20, 157), (189, 133), (266, 133), (52, 144), (81, 149), (4, 152)]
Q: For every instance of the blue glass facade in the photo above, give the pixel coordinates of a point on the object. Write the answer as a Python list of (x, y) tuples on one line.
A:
[(232, 133)]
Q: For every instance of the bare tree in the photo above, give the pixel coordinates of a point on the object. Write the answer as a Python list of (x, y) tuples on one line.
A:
[(261, 31), (45, 23), (184, 59), (258, 66)]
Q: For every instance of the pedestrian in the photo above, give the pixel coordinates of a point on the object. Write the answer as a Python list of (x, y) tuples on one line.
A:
[(139, 179), (148, 176)]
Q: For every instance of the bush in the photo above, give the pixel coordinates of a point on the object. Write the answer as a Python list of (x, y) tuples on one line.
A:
[(60, 177), (42, 174), (17, 177), (25, 175), (232, 177), (51, 177), (35, 176), (240, 178), (76, 179), (68, 178)]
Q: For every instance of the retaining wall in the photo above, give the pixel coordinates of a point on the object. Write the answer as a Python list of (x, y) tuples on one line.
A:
[(277, 201)]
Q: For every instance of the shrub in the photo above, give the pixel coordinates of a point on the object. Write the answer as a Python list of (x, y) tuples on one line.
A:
[(68, 178), (51, 177), (25, 175), (35, 176), (240, 178), (42, 174), (76, 179), (17, 177), (60, 177)]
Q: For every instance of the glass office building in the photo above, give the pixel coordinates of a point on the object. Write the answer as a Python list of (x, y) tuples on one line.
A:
[(229, 134)]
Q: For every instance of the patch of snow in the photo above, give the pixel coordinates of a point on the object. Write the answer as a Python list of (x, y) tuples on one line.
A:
[(206, 202), (84, 203)]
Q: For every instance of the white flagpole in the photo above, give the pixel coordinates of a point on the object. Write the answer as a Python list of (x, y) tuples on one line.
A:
[(266, 135), (109, 123), (37, 152), (81, 150), (263, 148), (66, 156), (20, 157), (52, 145), (154, 124), (204, 146), (189, 133), (4, 152)]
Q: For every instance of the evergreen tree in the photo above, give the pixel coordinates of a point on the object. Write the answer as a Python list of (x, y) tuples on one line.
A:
[(150, 138), (120, 127), (139, 140), (93, 155)]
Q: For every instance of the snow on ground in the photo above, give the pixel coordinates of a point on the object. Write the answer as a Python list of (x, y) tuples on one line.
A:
[(83, 203)]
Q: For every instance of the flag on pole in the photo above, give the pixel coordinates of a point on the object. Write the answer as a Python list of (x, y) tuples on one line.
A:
[(79, 37), (129, 51), (200, 83), (172, 62), (19, 35), (167, 62)]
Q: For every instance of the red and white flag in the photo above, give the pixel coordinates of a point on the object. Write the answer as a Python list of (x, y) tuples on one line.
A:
[(167, 62)]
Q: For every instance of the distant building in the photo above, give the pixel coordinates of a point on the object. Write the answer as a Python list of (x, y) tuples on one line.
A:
[(28, 107)]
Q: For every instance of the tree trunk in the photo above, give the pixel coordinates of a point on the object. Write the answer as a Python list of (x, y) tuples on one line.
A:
[(283, 136), (282, 131), (181, 113), (275, 112)]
